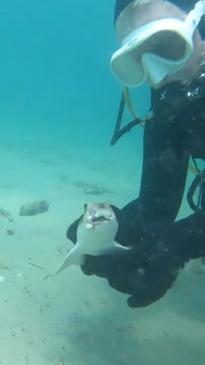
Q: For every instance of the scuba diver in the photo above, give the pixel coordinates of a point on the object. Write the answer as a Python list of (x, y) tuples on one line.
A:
[(162, 45)]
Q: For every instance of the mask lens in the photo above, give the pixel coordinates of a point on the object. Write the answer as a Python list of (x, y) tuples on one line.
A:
[(168, 45), (165, 44)]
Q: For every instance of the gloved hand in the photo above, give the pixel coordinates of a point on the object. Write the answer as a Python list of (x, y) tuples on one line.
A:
[(141, 272)]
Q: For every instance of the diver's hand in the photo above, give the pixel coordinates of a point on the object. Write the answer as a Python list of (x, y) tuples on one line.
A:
[(144, 282), (134, 272)]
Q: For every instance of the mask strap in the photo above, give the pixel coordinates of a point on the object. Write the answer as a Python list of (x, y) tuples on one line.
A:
[(193, 18)]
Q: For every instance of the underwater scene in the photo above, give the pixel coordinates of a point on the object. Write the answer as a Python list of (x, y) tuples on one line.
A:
[(58, 107)]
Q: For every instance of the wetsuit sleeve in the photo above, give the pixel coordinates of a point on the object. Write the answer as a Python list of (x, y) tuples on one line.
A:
[(165, 164)]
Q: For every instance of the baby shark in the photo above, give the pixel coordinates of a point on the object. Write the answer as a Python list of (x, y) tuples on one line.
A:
[(95, 235)]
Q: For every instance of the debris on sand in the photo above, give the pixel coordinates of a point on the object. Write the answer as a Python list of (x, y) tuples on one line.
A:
[(6, 219), (91, 189), (2, 278), (10, 232), (6, 215)]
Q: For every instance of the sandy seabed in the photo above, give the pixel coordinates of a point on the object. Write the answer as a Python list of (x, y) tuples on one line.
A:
[(73, 319)]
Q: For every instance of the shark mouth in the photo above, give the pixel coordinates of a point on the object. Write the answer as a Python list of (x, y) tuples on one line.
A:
[(96, 220), (100, 219), (97, 214)]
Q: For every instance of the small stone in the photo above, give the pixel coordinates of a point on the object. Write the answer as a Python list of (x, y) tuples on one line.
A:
[(20, 275), (10, 232), (6, 214)]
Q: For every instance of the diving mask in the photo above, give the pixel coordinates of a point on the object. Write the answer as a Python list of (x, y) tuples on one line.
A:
[(157, 49)]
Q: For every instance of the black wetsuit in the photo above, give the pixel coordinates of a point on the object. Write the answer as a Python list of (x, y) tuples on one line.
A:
[(160, 246)]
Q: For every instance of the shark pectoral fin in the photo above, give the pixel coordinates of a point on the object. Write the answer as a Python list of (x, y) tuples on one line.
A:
[(74, 257), (120, 247), (112, 248)]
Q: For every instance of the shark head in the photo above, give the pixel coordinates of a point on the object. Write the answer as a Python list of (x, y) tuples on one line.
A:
[(98, 224)]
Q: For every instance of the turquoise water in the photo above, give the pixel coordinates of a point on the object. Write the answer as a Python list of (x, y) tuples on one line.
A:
[(54, 61), (58, 105), (55, 79)]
